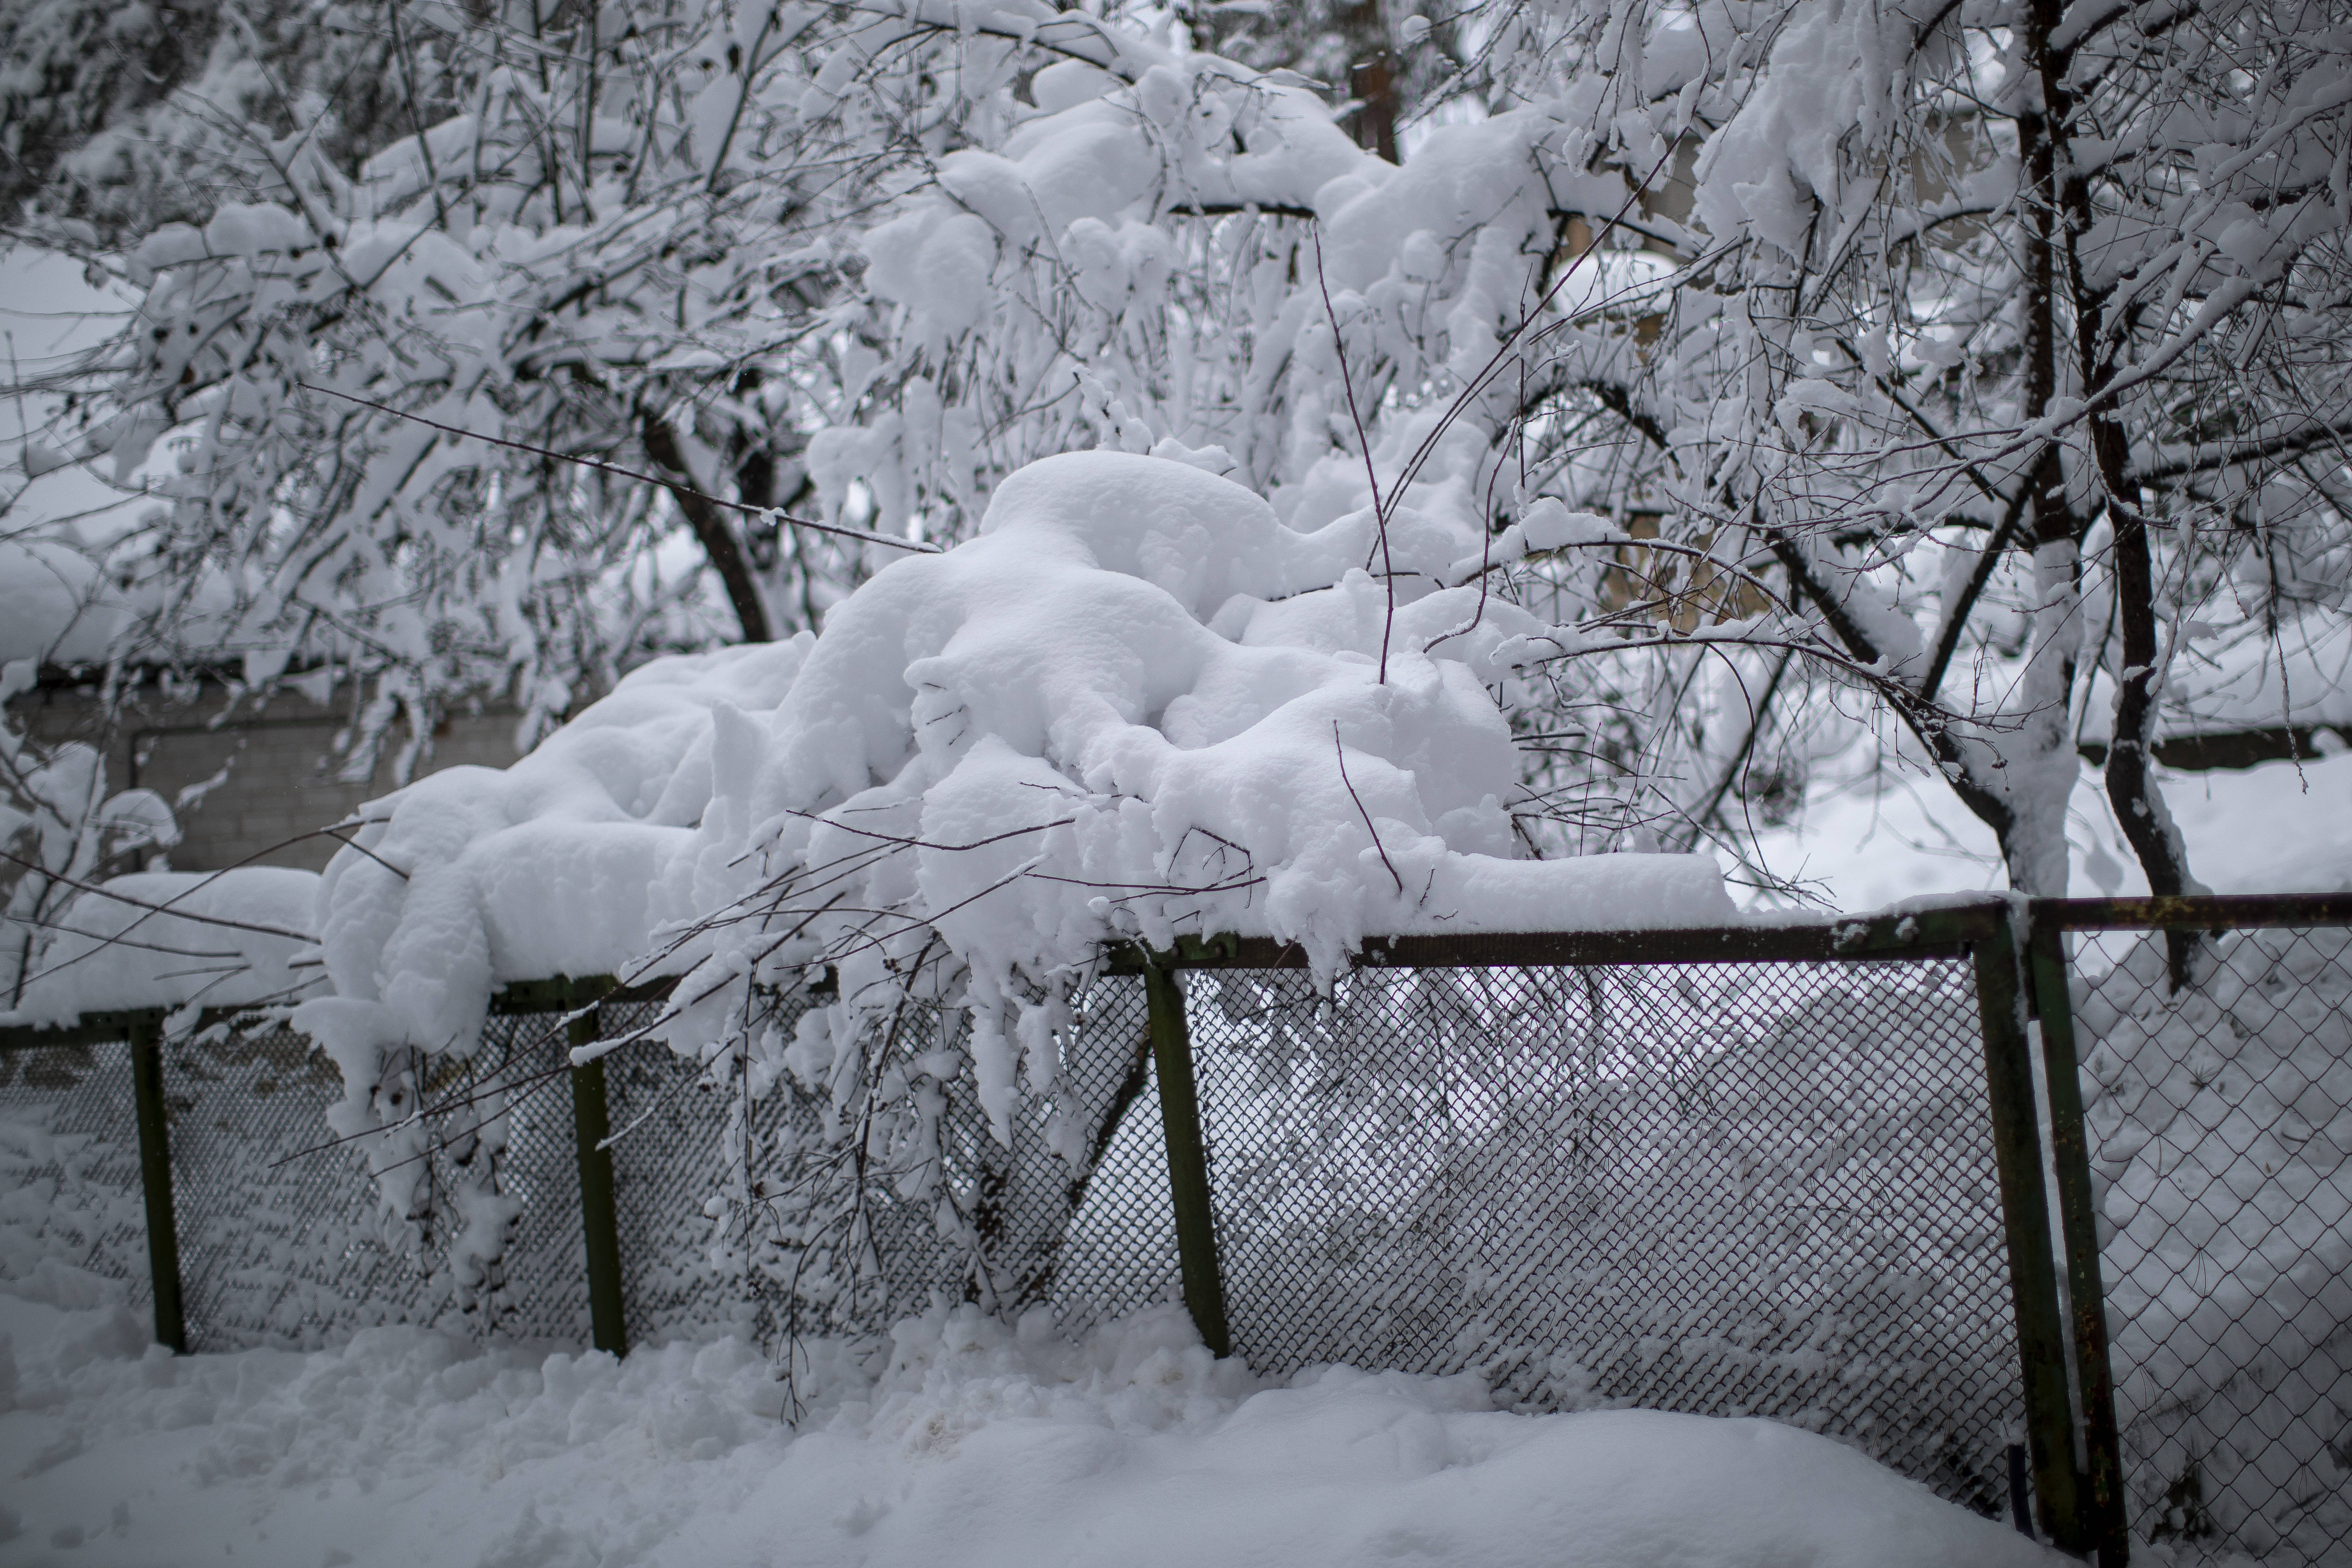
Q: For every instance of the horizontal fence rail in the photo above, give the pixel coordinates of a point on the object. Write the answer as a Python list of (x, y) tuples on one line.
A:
[(2076, 1172)]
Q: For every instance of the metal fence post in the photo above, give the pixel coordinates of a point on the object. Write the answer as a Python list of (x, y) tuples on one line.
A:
[(146, 1036), (2104, 1524), (599, 1222), (2025, 1212), (1188, 1160)]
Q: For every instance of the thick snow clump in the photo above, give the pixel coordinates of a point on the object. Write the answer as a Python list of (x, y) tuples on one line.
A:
[(1136, 705)]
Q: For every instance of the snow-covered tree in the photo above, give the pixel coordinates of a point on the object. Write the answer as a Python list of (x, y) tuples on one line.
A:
[(1899, 391)]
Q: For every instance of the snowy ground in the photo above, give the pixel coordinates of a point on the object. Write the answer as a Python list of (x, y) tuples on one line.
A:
[(975, 1445), (2274, 828)]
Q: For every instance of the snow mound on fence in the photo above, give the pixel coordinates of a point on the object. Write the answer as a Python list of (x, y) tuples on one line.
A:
[(1136, 705), (175, 939), (472, 876), (975, 1443)]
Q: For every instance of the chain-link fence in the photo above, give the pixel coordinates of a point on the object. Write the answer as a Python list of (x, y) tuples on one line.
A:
[(1760, 1177), (2218, 1083), (69, 1170), (1736, 1189)]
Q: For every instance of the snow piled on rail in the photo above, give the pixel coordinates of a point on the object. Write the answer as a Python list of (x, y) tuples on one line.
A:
[(1137, 705)]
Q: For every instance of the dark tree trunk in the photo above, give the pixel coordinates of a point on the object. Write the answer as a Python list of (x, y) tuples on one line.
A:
[(1372, 76), (711, 528)]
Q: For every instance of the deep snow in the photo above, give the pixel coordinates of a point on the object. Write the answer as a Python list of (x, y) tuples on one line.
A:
[(974, 1444)]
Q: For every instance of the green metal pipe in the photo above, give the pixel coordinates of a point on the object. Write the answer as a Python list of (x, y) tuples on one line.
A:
[(2032, 1265), (2107, 1528), (1188, 1159), (146, 1034), (600, 1229)]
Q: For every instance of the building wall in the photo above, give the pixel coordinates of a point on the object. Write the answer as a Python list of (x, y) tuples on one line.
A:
[(282, 777)]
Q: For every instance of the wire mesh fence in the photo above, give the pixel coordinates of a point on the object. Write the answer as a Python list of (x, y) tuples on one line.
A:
[(284, 1238), (69, 1168), (1728, 1187), (2220, 1119), (1732, 1189)]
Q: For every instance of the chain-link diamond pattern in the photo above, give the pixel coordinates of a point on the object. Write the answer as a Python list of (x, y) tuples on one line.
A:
[(680, 1277), (2220, 1130), (1758, 1188), (282, 1239), (1119, 1251), (1730, 1189), (70, 1164)]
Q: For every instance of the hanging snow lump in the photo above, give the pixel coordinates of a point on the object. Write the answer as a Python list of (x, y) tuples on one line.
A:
[(1137, 705)]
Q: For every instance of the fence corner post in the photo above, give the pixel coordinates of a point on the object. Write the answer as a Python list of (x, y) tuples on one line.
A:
[(146, 1039), (591, 1123), (2025, 1213), (1188, 1159), (2105, 1526)]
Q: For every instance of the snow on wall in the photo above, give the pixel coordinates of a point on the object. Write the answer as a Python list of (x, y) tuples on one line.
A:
[(175, 939)]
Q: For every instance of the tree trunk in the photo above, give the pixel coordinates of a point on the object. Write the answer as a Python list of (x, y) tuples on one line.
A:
[(2038, 762), (1372, 76), (710, 527)]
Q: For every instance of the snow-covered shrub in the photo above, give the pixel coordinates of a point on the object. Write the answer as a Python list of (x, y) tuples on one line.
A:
[(1775, 287), (882, 861), (2220, 1121)]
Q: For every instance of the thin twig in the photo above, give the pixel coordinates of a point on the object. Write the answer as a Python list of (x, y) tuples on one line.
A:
[(302, 937), (1366, 816), (1364, 442), (764, 514)]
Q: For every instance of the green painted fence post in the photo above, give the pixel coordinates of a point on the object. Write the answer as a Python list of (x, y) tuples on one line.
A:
[(2032, 1265), (1188, 1159), (146, 1034), (2106, 1527), (600, 1228)]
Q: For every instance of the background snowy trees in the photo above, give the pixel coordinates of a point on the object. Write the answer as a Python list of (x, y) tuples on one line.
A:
[(1956, 370)]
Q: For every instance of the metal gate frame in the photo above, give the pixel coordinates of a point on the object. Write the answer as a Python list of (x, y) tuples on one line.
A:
[(2072, 1440)]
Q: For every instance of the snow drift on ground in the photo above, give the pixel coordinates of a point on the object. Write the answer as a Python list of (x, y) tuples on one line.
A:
[(973, 1444), (1891, 834)]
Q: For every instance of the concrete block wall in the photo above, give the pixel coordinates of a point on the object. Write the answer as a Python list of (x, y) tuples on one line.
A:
[(283, 774)]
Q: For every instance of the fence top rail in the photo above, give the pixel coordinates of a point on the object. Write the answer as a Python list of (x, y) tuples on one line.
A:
[(104, 1027), (2197, 911), (1947, 929), (1942, 931)]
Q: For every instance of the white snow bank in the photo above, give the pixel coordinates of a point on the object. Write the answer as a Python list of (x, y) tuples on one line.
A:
[(175, 939), (1135, 704), (2304, 678), (974, 1444), (55, 606)]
